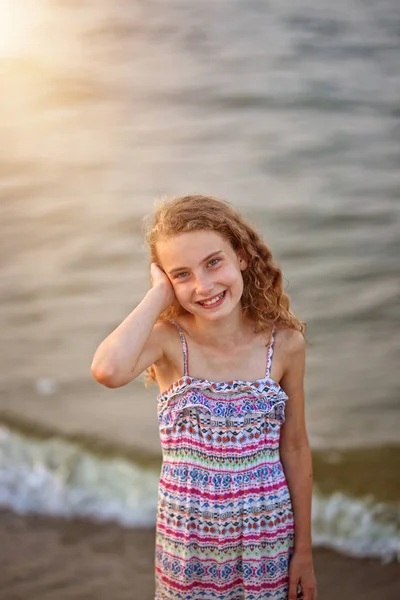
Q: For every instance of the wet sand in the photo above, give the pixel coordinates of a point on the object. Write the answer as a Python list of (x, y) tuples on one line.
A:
[(45, 558)]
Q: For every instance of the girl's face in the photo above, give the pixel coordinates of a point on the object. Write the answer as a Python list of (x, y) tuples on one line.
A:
[(205, 271)]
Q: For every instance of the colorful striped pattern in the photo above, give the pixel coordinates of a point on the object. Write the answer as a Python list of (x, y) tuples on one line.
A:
[(224, 520)]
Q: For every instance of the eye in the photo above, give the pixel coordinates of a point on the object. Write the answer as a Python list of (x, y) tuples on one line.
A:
[(180, 275), (214, 261)]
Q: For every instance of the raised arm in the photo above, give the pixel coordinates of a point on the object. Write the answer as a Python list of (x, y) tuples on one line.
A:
[(137, 342)]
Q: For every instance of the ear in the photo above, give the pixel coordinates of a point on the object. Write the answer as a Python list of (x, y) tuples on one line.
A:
[(242, 260)]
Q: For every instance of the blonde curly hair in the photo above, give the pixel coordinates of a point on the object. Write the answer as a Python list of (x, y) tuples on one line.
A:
[(263, 301)]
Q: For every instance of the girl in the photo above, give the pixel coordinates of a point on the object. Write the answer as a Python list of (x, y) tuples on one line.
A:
[(216, 332)]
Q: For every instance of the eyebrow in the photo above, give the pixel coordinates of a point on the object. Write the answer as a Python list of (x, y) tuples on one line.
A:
[(203, 261)]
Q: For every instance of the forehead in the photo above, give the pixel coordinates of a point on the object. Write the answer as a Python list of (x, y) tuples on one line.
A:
[(190, 247)]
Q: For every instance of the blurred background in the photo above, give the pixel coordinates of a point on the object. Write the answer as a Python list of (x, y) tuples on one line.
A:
[(291, 111)]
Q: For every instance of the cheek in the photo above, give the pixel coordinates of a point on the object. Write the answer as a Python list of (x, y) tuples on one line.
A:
[(237, 284), (181, 291), (233, 277)]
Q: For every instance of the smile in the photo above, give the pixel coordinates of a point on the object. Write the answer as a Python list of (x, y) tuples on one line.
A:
[(214, 300)]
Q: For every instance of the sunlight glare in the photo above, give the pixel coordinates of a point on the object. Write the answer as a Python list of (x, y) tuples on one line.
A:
[(15, 26)]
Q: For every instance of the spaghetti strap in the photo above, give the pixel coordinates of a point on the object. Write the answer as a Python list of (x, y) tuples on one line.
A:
[(270, 353), (184, 349)]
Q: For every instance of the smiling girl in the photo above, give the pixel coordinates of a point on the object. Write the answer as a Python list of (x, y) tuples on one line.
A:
[(216, 333)]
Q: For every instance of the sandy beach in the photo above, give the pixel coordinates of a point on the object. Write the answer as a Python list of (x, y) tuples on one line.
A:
[(55, 559)]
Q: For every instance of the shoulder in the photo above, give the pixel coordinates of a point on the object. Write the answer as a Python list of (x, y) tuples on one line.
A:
[(165, 332), (166, 335), (291, 345), (171, 366)]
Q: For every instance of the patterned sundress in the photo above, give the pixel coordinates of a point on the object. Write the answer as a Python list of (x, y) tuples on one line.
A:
[(225, 527)]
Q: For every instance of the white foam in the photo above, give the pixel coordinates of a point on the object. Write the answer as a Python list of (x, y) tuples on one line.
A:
[(57, 477), (356, 527)]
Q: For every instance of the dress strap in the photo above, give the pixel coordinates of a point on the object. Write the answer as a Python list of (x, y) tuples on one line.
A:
[(270, 353), (184, 349)]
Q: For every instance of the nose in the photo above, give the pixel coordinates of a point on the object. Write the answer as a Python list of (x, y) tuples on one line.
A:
[(204, 285)]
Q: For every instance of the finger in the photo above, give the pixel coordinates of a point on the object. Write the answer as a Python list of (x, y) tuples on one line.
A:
[(293, 583), (309, 593)]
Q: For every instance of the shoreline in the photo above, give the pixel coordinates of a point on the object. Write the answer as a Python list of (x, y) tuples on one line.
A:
[(335, 469), (45, 557)]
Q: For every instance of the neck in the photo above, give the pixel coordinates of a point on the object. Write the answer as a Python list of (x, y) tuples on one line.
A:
[(230, 330)]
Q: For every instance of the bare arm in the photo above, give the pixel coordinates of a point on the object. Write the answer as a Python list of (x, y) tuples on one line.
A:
[(296, 459), (136, 343)]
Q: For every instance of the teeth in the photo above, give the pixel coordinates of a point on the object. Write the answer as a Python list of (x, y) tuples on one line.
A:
[(209, 302)]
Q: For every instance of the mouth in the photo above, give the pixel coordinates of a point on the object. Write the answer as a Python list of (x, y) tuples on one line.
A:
[(213, 301)]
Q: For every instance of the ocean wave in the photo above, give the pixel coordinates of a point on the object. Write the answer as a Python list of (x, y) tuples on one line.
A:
[(59, 477), (359, 527)]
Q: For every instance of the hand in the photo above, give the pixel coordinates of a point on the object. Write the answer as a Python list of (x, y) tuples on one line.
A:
[(301, 574), (160, 280)]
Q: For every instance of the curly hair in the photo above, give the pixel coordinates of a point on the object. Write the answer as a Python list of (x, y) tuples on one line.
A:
[(263, 300)]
